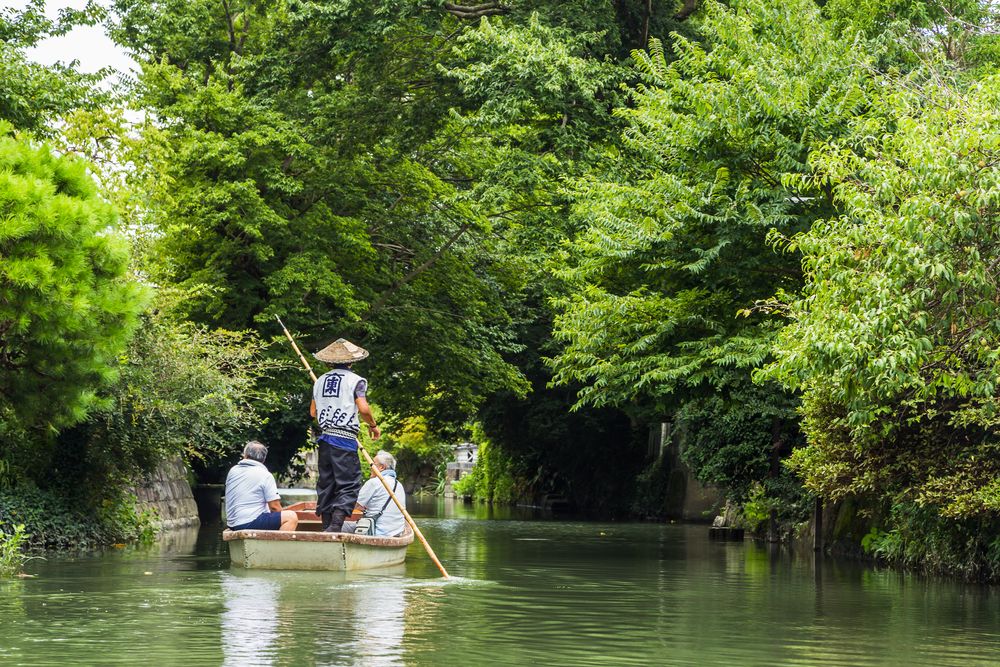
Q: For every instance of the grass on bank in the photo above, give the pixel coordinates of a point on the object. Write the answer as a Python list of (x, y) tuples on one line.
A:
[(12, 557)]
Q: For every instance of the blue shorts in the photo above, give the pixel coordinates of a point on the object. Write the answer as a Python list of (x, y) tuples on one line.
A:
[(266, 521)]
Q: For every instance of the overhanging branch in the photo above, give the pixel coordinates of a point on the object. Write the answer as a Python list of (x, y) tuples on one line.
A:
[(385, 296), (474, 11)]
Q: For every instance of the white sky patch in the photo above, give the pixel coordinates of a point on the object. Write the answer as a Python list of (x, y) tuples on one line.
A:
[(88, 45)]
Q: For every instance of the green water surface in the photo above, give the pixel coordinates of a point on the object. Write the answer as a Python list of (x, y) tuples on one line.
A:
[(526, 592)]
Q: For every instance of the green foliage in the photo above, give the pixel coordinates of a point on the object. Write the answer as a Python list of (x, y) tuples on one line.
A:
[(540, 94), (676, 240), (758, 506), (493, 479), (183, 390), (661, 312), (895, 339), (917, 537), (391, 173), (415, 447), (66, 306), (466, 487), (34, 97), (911, 32), (6, 475), (55, 520), (11, 555), (589, 456), (271, 185), (729, 438)]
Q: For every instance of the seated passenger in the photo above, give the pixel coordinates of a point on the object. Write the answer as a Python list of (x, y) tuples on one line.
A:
[(374, 501), (252, 500)]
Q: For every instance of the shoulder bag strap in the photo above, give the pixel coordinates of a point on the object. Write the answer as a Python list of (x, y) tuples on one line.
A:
[(388, 500)]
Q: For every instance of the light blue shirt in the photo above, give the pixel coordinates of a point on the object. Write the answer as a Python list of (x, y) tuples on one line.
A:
[(249, 487), (373, 495)]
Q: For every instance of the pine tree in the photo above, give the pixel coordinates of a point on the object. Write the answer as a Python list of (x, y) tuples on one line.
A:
[(66, 307)]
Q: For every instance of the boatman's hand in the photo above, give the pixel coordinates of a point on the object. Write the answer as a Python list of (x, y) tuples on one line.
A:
[(375, 432)]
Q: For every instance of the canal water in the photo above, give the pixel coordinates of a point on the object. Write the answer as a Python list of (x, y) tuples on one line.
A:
[(525, 592)]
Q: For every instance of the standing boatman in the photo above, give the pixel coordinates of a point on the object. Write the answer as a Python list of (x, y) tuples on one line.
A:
[(338, 401)]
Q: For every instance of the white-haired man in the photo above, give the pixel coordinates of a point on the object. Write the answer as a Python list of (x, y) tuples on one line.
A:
[(374, 501), (252, 500)]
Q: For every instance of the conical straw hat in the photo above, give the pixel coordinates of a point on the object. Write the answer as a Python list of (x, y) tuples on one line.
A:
[(341, 351)]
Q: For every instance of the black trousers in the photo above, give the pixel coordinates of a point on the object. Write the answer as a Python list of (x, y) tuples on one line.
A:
[(339, 479)]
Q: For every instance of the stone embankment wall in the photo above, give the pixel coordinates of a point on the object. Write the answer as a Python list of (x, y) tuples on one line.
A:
[(687, 499), (168, 492), (456, 470), (842, 527)]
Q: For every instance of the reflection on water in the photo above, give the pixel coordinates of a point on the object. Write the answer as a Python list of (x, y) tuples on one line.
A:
[(380, 624), (529, 589), (249, 627), (322, 617)]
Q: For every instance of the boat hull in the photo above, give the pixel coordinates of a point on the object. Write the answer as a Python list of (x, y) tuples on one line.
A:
[(310, 549), (252, 552)]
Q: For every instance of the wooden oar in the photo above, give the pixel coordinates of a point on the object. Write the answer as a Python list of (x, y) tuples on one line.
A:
[(368, 458)]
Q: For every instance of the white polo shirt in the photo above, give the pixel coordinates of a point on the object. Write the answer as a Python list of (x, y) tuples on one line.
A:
[(249, 487)]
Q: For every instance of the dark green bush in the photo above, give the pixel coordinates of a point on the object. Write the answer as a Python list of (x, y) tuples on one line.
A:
[(919, 538), (53, 522)]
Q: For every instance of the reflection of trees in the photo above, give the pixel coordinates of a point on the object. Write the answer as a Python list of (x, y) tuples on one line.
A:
[(11, 605)]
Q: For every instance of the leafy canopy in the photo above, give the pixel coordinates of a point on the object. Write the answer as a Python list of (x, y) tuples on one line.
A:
[(675, 244), (32, 96)]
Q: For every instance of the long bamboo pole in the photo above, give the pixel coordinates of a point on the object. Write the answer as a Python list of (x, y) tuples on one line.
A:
[(371, 463)]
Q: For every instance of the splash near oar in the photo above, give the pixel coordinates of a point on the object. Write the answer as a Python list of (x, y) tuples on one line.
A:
[(371, 464)]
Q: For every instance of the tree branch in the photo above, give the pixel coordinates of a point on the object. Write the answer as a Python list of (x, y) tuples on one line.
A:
[(229, 26), (474, 11), (645, 25), (386, 295), (686, 10)]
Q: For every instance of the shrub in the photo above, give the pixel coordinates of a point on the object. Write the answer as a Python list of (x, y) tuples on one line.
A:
[(11, 556), (918, 537), (416, 447), (183, 390), (51, 521), (492, 478)]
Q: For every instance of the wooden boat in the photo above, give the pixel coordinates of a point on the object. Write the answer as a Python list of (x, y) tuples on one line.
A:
[(308, 548)]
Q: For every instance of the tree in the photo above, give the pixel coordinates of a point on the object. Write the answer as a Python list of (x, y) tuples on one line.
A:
[(66, 306), (675, 254), (182, 390), (357, 169), (912, 33), (33, 96), (895, 340), (316, 192)]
